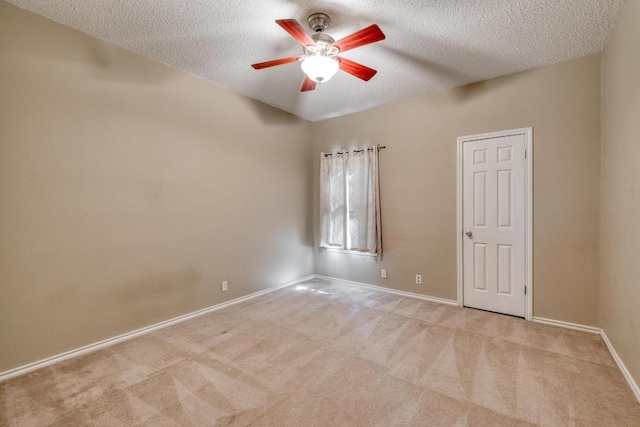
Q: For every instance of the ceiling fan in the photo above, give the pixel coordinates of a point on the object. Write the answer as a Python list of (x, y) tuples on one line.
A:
[(320, 60)]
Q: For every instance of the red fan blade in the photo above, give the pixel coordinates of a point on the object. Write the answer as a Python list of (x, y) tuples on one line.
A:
[(371, 34), (292, 27), (358, 70), (308, 84), (261, 65)]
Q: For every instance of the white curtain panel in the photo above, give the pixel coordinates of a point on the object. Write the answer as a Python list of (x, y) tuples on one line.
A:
[(350, 201), (363, 198), (333, 200)]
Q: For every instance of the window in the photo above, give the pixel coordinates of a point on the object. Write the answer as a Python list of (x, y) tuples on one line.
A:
[(350, 201)]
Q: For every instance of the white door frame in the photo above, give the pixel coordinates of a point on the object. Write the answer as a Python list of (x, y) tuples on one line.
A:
[(528, 133)]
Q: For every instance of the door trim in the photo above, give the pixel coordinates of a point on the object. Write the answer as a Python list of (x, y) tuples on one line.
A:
[(528, 133)]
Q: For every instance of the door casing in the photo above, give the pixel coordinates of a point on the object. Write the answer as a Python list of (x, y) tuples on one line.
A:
[(528, 134)]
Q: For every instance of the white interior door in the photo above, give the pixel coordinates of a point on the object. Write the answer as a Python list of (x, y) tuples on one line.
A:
[(494, 224)]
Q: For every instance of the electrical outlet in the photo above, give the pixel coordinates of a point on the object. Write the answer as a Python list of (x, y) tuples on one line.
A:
[(418, 279), (383, 273), (225, 286)]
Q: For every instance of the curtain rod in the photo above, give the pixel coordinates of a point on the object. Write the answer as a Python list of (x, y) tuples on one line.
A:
[(379, 147)]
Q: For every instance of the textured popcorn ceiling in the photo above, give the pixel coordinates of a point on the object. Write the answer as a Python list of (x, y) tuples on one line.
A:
[(430, 46)]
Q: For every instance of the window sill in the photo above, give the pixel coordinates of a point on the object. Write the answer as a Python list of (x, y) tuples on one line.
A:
[(342, 251)]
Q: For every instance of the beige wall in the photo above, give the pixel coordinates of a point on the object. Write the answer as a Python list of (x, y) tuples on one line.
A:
[(129, 191), (418, 182), (620, 280)]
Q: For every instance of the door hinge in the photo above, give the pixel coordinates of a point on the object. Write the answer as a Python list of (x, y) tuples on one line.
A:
[(525, 290), (525, 154)]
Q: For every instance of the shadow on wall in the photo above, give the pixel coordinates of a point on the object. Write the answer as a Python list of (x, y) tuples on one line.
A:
[(438, 62), (112, 63), (269, 115), (472, 90), (157, 293)]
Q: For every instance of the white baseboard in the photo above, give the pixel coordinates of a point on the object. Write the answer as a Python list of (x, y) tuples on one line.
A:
[(558, 323), (567, 325), (129, 335), (111, 341), (392, 291), (625, 372), (593, 330)]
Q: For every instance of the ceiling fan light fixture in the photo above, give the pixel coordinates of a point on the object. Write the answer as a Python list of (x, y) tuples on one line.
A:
[(320, 68), (320, 61)]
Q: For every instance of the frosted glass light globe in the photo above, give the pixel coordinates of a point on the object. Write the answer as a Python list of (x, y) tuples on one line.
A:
[(320, 68)]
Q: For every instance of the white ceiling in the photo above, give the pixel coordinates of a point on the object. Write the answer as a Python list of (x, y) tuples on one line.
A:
[(431, 45)]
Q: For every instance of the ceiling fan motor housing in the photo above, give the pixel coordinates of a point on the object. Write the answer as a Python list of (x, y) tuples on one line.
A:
[(323, 45), (318, 22)]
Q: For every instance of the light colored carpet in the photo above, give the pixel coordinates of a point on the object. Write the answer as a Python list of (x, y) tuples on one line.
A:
[(324, 354)]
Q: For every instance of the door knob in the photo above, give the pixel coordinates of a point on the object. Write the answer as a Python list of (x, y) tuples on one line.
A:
[(469, 234)]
